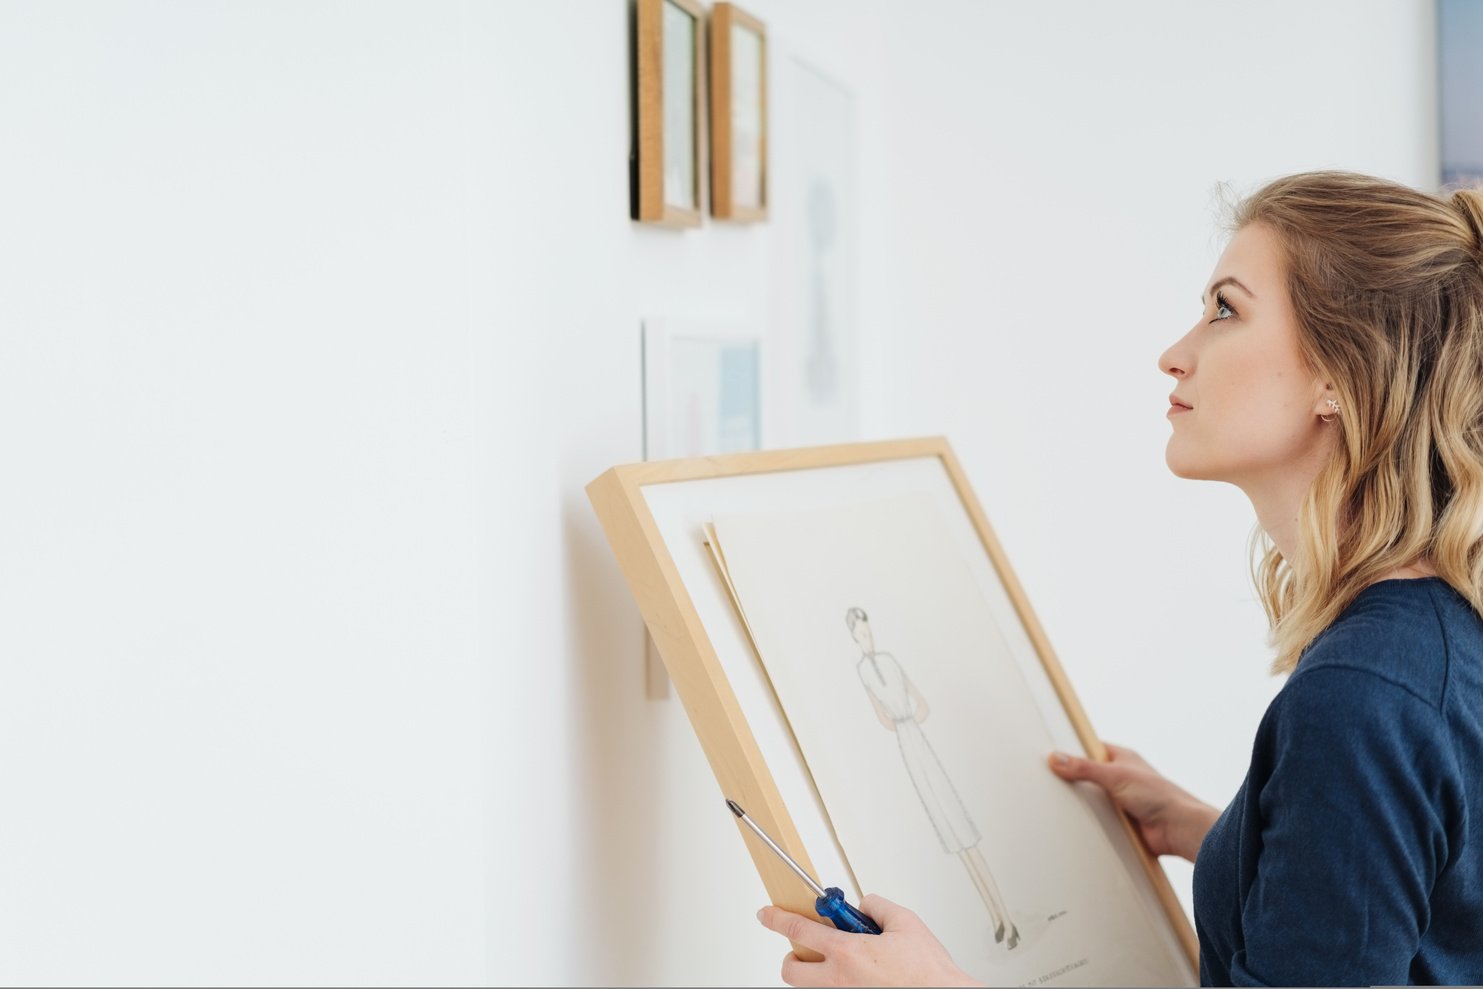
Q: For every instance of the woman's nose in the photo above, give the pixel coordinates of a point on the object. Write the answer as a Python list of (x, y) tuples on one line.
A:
[(1175, 362)]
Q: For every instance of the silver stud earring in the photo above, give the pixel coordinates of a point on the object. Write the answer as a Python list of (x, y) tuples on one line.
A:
[(1334, 407)]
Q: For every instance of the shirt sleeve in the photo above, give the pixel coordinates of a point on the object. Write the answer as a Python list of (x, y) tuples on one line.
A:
[(1353, 822)]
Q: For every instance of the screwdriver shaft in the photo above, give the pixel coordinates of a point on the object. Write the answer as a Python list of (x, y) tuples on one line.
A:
[(735, 809)]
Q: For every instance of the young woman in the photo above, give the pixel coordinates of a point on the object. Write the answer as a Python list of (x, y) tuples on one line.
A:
[(1336, 377)]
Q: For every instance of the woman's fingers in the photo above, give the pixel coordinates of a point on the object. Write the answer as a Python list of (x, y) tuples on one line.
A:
[(810, 934), (800, 929), (797, 972), (906, 954), (887, 915)]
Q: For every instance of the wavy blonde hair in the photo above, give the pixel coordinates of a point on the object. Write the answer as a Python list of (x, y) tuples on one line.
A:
[(1387, 286)]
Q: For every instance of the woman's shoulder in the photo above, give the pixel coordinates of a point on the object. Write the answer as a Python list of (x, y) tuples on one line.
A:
[(1400, 632), (1351, 714)]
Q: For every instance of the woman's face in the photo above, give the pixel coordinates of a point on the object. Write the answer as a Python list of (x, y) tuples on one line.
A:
[(1253, 406)]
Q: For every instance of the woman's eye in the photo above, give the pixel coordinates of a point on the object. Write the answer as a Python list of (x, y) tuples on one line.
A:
[(1222, 305)]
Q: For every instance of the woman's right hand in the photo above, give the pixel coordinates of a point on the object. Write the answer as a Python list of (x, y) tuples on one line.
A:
[(1171, 820)]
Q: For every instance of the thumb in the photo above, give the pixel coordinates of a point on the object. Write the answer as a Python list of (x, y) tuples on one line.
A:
[(888, 916), (1070, 767)]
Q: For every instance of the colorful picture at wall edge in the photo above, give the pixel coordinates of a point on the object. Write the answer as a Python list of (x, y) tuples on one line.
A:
[(1460, 87)]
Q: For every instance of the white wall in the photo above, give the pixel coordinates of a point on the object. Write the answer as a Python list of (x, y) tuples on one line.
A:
[(316, 318), (245, 404)]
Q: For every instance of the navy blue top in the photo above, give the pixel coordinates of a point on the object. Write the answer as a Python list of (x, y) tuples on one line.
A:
[(1353, 852)]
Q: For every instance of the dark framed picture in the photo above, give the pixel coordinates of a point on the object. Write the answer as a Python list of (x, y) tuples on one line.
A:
[(669, 112)]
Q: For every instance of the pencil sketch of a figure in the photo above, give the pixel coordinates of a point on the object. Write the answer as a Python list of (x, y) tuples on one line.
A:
[(902, 709)]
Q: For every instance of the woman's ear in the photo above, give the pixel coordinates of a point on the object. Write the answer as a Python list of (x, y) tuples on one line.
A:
[(1324, 398)]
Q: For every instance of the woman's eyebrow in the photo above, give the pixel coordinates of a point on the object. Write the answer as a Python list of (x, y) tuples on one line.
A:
[(1228, 280)]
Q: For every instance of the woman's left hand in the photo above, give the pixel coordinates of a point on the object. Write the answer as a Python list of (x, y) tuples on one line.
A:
[(904, 954)]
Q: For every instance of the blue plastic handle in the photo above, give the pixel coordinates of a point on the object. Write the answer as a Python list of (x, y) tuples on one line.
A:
[(833, 906)]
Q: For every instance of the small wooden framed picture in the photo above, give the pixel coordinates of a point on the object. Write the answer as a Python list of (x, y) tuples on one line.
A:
[(669, 112), (738, 114)]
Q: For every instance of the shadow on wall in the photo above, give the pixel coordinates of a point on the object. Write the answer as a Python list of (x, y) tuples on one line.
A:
[(618, 769)]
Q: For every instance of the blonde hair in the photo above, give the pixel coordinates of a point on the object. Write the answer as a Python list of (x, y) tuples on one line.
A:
[(1387, 286)]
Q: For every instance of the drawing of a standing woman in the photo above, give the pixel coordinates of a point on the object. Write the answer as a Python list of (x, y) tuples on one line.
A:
[(902, 709)]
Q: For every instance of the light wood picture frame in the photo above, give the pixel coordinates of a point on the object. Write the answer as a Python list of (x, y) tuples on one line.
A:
[(654, 515), (669, 112), (738, 119)]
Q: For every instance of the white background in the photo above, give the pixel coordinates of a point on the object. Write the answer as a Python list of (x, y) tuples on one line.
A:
[(316, 317)]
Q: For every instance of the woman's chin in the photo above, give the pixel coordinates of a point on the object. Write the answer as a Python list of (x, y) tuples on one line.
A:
[(1184, 467)]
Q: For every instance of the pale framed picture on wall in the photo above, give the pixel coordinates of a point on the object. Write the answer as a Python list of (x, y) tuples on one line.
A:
[(738, 114), (813, 355), (702, 391), (668, 112), (702, 396)]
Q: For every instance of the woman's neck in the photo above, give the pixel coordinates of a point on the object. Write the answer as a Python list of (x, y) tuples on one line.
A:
[(1278, 504)]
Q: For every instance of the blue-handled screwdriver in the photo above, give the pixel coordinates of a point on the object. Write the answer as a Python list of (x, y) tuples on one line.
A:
[(831, 903)]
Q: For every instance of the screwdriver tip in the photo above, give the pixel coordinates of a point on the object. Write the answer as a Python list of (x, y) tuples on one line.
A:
[(734, 808)]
